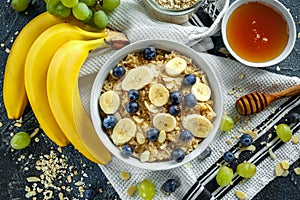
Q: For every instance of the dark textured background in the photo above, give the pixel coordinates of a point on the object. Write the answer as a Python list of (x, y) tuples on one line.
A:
[(16, 166)]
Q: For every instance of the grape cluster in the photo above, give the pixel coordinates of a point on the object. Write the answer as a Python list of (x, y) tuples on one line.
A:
[(93, 12)]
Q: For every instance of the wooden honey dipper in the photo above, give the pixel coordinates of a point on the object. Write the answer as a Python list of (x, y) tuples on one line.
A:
[(256, 101)]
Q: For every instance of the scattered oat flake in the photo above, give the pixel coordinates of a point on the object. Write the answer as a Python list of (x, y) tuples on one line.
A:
[(277, 68), (61, 196), (241, 76), (296, 139), (7, 50), (1, 124), (17, 124), (2, 45), (34, 132), (131, 190), (285, 164), (125, 175), (240, 195), (253, 133), (299, 35), (229, 142), (297, 171), (285, 173), (30, 194), (278, 169), (48, 194), (33, 179), (272, 154), (248, 148), (79, 183)]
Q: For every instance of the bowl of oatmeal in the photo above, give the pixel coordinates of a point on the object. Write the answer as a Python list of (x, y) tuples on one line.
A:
[(156, 104), (177, 12)]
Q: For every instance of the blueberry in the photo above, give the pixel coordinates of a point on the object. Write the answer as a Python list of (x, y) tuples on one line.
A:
[(293, 117), (133, 95), (118, 71), (176, 97), (206, 153), (189, 79), (190, 100), (170, 186), (127, 150), (132, 107), (186, 135), (246, 140), (150, 53), (89, 193), (228, 156), (178, 155), (152, 134), (109, 121), (174, 110)]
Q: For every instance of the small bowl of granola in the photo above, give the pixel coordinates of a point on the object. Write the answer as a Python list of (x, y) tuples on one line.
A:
[(177, 12), (156, 104)]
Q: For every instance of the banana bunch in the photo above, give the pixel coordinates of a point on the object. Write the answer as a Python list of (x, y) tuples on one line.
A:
[(48, 73)]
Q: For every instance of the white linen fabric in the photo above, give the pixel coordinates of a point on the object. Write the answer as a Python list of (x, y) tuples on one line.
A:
[(132, 18)]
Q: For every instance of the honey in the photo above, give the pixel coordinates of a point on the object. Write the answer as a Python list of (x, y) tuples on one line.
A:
[(257, 32)]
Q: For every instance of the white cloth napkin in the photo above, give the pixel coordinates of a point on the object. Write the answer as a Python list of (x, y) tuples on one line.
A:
[(133, 19)]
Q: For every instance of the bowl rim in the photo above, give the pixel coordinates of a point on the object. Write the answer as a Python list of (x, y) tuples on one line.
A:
[(280, 8), (165, 45)]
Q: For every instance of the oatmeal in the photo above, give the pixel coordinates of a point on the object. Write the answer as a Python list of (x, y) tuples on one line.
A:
[(176, 4), (156, 105)]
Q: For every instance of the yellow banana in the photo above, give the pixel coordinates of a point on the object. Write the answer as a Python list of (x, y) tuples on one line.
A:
[(14, 94), (65, 102), (36, 67)]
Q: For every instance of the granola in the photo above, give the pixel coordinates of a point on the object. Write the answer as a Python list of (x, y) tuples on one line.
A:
[(176, 4)]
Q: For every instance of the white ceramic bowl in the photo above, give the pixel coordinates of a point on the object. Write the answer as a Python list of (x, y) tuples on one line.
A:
[(280, 8), (137, 47)]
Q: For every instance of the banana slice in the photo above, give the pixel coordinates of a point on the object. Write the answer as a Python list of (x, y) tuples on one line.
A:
[(123, 131), (175, 66), (158, 94), (197, 124), (109, 102), (201, 91), (164, 121), (137, 78)]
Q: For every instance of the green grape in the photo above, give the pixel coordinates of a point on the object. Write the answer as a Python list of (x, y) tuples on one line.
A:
[(284, 132), (227, 123), (110, 5), (52, 2), (58, 10), (86, 21), (20, 140), (81, 11), (62, 11), (146, 189), (224, 176), (246, 169), (69, 3), (19, 5), (100, 19), (51, 9), (89, 2)]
